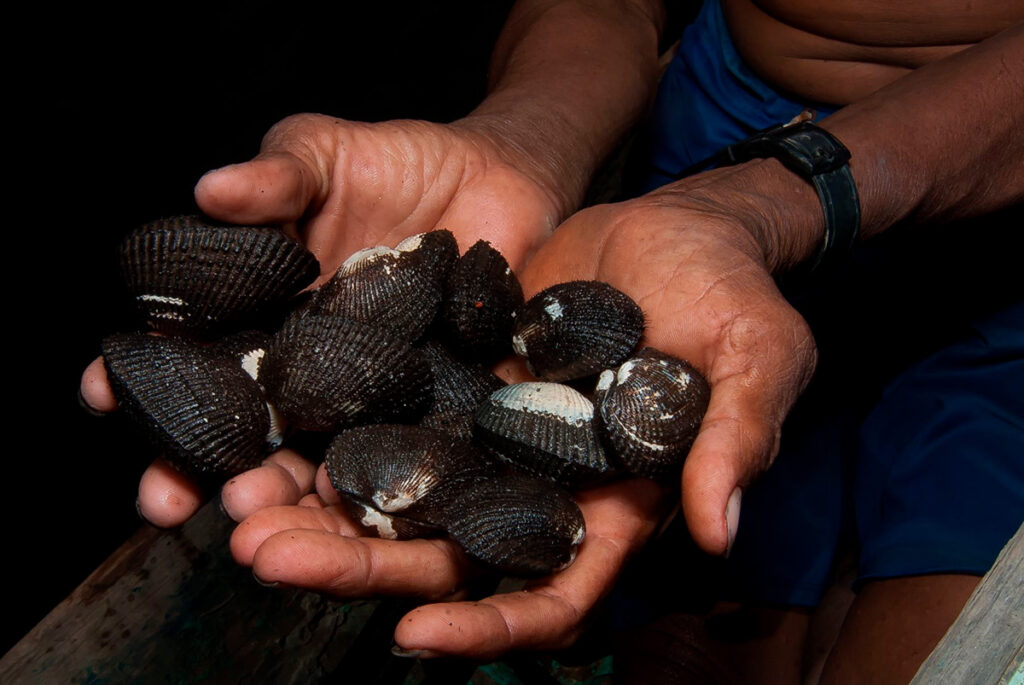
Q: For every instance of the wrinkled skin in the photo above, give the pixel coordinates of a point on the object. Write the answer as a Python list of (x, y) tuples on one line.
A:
[(684, 254), (350, 186), (707, 298)]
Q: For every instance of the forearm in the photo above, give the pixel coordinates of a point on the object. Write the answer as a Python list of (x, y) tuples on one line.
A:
[(568, 79), (938, 145), (943, 143)]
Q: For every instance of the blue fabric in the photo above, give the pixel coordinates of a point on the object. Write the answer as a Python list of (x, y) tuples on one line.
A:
[(934, 478), (940, 478), (792, 520), (708, 98)]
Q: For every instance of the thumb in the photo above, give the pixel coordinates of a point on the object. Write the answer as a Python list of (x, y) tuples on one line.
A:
[(733, 447), (275, 187)]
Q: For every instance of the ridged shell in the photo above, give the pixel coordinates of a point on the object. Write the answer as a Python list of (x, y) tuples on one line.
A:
[(191, 276), (547, 429), (404, 471), (481, 296), (327, 373), (382, 287), (651, 410), (199, 406), (521, 526), (387, 526), (576, 329), (249, 349), (459, 389), (438, 249), (244, 345)]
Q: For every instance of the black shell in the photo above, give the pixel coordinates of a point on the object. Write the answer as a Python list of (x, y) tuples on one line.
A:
[(249, 349), (459, 388), (404, 471), (438, 249), (572, 330), (547, 429), (387, 526), (517, 524), (198, 405), (382, 287), (480, 299), (651, 410), (191, 276), (327, 373), (245, 346)]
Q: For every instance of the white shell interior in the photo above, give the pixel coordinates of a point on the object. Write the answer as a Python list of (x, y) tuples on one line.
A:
[(546, 398), (381, 522), (251, 362), (363, 257), (411, 243)]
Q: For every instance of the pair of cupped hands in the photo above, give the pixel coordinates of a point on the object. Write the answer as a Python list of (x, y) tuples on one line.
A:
[(683, 253)]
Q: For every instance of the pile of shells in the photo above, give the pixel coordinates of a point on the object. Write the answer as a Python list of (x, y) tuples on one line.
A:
[(390, 358)]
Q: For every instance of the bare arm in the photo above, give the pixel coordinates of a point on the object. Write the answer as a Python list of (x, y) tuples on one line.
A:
[(938, 145), (568, 79)]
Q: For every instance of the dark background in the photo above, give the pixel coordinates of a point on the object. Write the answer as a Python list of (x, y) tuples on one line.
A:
[(119, 117), (112, 120)]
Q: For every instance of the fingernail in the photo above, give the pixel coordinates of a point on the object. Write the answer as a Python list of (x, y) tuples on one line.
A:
[(414, 653), (265, 583), (89, 409), (138, 510), (732, 518)]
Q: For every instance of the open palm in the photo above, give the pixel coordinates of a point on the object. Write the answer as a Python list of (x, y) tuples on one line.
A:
[(341, 186)]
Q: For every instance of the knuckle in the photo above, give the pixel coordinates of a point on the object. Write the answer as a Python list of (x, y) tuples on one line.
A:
[(308, 130), (298, 122)]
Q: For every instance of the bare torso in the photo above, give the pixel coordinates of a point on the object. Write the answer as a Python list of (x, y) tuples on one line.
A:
[(838, 52)]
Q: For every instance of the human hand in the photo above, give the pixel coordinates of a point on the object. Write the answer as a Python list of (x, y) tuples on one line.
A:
[(316, 546), (692, 256), (693, 261), (340, 186)]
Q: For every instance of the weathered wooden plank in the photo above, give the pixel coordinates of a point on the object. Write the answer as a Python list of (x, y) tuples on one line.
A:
[(172, 606), (986, 642)]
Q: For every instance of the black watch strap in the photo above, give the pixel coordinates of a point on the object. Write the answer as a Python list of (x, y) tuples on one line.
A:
[(817, 156)]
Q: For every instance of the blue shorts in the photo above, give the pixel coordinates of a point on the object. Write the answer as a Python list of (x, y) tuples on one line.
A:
[(931, 480), (927, 477), (708, 83)]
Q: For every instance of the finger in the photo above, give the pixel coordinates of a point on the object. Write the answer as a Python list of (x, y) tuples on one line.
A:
[(283, 478), (561, 258), (275, 187), (323, 560), (513, 370), (254, 531), (95, 389), (312, 500), (167, 497), (503, 211), (324, 488), (735, 444), (550, 613), (548, 616)]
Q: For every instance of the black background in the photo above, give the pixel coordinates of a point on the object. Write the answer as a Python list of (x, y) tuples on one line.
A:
[(110, 121), (115, 119)]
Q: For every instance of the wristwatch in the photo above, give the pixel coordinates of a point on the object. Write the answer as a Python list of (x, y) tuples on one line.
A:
[(817, 156)]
